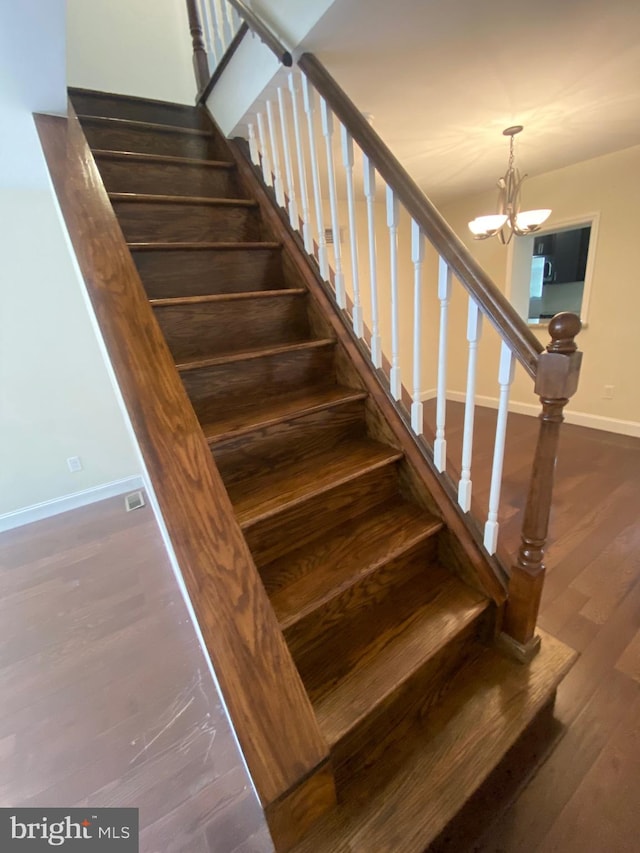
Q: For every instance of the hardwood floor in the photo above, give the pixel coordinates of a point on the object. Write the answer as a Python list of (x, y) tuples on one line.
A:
[(105, 696), (585, 796)]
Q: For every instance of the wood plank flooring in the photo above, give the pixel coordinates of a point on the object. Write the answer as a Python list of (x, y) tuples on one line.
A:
[(105, 696), (586, 795)]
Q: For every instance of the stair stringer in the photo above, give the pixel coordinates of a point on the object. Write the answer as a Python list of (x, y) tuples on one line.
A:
[(460, 545), (285, 751)]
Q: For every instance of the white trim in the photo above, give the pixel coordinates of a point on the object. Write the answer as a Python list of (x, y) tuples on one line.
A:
[(46, 509), (429, 394), (585, 419), (568, 224)]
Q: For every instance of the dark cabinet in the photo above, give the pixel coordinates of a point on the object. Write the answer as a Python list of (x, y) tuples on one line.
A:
[(570, 255), (544, 244), (566, 252)]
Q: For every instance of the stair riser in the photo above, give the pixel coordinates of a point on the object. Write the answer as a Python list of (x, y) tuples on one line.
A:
[(337, 646), (176, 272), (308, 637), (121, 176), (269, 540), (143, 222), (297, 438), (241, 381), (144, 141), (409, 704), (217, 328), (114, 106)]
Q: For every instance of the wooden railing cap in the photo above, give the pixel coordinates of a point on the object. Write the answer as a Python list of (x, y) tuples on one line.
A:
[(563, 328)]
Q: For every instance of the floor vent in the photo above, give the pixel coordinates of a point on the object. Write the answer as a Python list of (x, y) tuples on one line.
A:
[(329, 237), (134, 501)]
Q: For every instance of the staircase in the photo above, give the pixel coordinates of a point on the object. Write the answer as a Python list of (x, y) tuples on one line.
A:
[(384, 613)]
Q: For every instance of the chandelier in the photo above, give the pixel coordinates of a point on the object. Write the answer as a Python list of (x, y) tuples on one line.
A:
[(510, 218)]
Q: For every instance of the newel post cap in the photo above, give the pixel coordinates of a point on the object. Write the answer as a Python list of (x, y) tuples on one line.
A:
[(559, 366), (563, 328)]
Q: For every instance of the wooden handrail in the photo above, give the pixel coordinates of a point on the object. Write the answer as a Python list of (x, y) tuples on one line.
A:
[(263, 32), (268, 705), (220, 67), (513, 330)]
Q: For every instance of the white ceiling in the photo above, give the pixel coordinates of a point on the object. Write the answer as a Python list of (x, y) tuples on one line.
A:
[(443, 78)]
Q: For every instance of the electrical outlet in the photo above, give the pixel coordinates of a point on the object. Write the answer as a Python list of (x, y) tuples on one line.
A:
[(607, 394), (75, 464)]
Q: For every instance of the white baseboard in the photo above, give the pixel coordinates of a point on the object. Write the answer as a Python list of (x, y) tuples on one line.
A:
[(430, 394), (585, 419), (37, 512)]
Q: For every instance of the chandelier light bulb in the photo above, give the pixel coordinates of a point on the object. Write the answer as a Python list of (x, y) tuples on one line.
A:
[(510, 218), (487, 226), (531, 220)]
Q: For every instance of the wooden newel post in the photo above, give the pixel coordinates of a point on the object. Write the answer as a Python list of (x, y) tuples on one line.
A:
[(556, 382), (200, 60)]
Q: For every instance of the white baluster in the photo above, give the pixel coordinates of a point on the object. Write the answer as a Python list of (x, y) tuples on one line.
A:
[(302, 172), (393, 213), (347, 162), (275, 156), (288, 166), (267, 172), (417, 257), (505, 378), (216, 17), (327, 132), (236, 20), (253, 145), (227, 28), (474, 330), (444, 295), (369, 173), (207, 30), (309, 107)]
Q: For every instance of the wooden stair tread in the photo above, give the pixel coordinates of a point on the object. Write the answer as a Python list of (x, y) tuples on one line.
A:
[(147, 246), (228, 297), (418, 783), (246, 355), (148, 198), (132, 124), (262, 413), (330, 565), (168, 159), (449, 607), (281, 488)]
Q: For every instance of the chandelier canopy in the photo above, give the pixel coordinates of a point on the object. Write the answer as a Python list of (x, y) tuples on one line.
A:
[(510, 219)]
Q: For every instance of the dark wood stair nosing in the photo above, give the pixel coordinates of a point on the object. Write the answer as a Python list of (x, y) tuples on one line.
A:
[(167, 159), (148, 198), (431, 528), (350, 396), (162, 246), (260, 515), (156, 127), (247, 355), (138, 99), (448, 634), (417, 786), (168, 301)]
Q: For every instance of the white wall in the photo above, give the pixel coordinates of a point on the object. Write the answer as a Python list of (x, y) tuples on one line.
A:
[(56, 399), (291, 20), (131, 47), (608, 186), (253, 67)]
